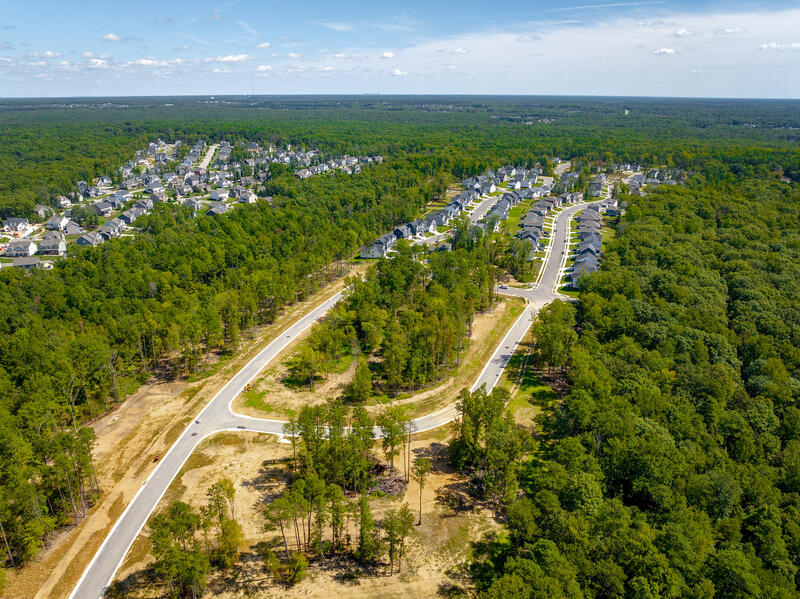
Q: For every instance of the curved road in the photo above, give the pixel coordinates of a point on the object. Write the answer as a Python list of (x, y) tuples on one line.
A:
[(218, 415)]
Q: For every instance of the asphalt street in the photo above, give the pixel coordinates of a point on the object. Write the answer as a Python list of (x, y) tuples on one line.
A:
[(218, 415)]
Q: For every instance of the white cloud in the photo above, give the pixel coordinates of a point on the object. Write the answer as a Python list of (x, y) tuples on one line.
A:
[(221, 70), (183, 48), (111, 37), (730, 31), (87, 54), (146, 62), (216, 16), (263, 45), (338, 26), (662, 51), (450, 67), (777, 46), (98, 63), (339, 55), (263, 68), (460, 51), (233, 58), (686, 33), (326, 68), (697, 70), (387, 54), (293, 55), (51, 54), (399, 73)]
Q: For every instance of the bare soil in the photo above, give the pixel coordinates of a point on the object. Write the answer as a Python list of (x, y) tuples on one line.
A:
[(258, 465), (130, 440)]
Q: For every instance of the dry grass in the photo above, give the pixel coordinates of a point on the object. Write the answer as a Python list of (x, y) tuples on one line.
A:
[(436, 552), (129, 439)]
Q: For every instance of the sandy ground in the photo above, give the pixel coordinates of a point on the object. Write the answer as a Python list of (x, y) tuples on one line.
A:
[(258, 466), (271, 398), (130, 440)]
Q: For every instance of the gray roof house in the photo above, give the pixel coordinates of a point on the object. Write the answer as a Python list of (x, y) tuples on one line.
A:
[(53, 244), (15, 224), (21, 247), (90, 238)]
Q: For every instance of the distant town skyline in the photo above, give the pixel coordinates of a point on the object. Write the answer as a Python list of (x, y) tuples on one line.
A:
[(629, 48)]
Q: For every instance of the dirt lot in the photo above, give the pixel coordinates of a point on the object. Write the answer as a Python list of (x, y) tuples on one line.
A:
[(258, 465), (130, 439), (271, 398)]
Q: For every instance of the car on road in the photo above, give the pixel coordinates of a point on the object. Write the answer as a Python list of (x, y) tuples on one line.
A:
[(503, 286), (241, 426)]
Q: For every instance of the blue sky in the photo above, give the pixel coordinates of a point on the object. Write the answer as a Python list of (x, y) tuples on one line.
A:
[(592, 47)]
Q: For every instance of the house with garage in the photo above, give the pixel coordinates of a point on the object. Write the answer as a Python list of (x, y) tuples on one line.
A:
[(16, 225), (57, 223), (103, 209)]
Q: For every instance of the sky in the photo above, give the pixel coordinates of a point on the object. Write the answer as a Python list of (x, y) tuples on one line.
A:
[(574, 47)]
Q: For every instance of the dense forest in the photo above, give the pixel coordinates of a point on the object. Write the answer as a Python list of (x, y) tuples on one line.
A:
[(679, 430), (670, 469), (50, 145), (407, 321)]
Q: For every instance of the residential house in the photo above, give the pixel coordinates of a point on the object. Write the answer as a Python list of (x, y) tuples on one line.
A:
[(379, 247), (73, 229), (104, 208), (92, 238), (16, 225), (247, 197), (57, 223), (27, 262), (403, 232), (21, 247), (123, 196), (219, 195), (42, 211), (53, 244), (63, 202), (217, 208), (158, 196)]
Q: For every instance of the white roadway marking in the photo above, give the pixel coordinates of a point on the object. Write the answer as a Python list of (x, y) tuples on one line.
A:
[(278, 345)]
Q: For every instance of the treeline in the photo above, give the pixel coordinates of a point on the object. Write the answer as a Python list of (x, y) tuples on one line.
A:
[(408, 321), (48, 148), (671, 467), (75, 338)]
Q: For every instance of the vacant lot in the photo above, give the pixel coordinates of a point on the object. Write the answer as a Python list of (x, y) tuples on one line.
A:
[(130, 440), (258, 465)]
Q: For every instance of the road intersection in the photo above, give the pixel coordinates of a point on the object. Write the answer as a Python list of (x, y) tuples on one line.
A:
[(218, 415)]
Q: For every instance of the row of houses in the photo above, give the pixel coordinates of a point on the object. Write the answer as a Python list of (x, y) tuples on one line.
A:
[(416, 228), (350, 165), (587, 255), (51, 244), (531, 225), (117, 225)]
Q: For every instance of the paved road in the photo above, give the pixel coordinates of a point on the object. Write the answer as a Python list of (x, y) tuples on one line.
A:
[(536, 297), (210, 154), (474, 216), (218, 415), (215, 417)]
